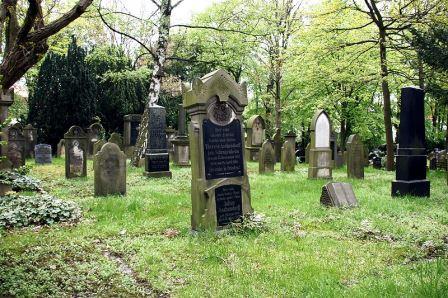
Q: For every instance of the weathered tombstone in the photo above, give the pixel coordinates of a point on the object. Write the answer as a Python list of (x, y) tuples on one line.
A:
[(116, 139), (30, 134), (98, 145), (181, 142), (60, 150), (95, 133), (411, 158), (442, 160), (355, 157), (130, 132), (277, 138), (43, 154), (157, 160), (220, 190), (110, 171), (320, 165), (255, 130), (307, 153), (6, 100), (266, 159), (76, 146), (288, 159), (16, 146), (338, 195), (170, 135)]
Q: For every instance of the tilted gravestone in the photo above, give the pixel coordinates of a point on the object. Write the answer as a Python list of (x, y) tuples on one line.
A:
[(95, 133), (98, 145), (355, 157), (255, 131), (110, 171), (320, 166), (220, 190), (16, 146), (76, 147), (130, 132), (338, 195), (288, 159), (60, 150), (266, 159), (157, 160), (43, 154), (116, 139), (277, 138), (30, 134), (181, 156), (307, 153), (411, 157)]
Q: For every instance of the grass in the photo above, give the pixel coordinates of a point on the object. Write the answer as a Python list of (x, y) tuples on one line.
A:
[(141, 244)]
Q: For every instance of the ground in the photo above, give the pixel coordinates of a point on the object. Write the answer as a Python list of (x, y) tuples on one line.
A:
[(141, 244)]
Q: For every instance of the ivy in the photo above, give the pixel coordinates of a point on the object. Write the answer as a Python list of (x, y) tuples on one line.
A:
[(19, 181)]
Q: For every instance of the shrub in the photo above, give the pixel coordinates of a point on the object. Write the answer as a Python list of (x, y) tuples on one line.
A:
[(19, 181)]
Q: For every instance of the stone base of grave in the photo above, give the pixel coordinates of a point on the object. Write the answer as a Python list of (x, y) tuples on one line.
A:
[(320, 164), (181, 155), (157, 165), (158, 174), (252, 153), (419, 188)]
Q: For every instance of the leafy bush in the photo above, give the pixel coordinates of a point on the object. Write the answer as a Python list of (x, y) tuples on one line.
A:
[(19, 181), (21, 211)]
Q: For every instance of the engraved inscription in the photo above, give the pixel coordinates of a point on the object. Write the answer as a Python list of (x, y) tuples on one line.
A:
[(228, 204)]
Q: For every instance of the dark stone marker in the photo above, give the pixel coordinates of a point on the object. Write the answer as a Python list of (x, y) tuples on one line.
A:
[(157, 161), (42, 154), (223, 150), (338, 195), (228, 204), (411, 158)]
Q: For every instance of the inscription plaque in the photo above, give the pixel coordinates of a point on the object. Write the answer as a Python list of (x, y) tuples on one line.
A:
[(158, 162), (223, 150), (42, 153), (228, 204)]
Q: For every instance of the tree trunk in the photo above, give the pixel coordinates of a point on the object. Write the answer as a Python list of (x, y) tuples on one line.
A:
[(387, 103), (156, 78), (277, 101)]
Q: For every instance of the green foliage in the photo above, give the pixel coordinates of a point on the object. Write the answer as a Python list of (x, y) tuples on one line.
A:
[(19, 181), (18, 211), (19, 109)]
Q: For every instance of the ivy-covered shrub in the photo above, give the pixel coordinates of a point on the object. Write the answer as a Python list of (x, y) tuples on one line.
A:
[(21, 211), (19, 181)]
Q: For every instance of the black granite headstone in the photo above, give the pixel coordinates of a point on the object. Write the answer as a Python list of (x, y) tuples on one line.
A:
[(411, 157), (228, 204), (42, 154)]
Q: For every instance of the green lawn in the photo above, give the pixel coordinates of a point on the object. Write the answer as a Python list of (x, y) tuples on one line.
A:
[(141, 244)]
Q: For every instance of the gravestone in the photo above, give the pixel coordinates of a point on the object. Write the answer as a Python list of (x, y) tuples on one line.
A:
[(130, 132), (442, 160), (76, 147), (411, 157), (338, 195), (6, 100), (288, 159), (95, 133), (16, 146), (181, 142), (320, 166), (170, 135), (116, 139), (30, 134), (157, 161), (220, 190), (110, 171), (334, 148), (355, 157), (43, 154), (255, 131), (60, 150), (277, 138), (307, 153), (98, 145), (266, 159), (339, 160)]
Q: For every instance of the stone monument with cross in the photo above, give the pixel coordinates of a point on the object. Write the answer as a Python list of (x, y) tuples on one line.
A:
[(255, 130), (220, 191), (320, 166)]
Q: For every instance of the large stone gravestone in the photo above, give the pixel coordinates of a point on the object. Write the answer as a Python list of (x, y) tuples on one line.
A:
[(16, 146), (76, 147), (6, 100), (95, 133), (43, 154), (110, 171), (288, 159), (181, 156), (255, 131), (338, 195), (320, 166), (220, 190), (157, 160), (116, 139), (30, 134), (355, 157), (130, 132), (60, 149), (266, 158), (277, 138), (411, 157)]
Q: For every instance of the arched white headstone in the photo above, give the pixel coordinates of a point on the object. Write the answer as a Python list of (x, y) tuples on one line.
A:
[(322, 131)]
